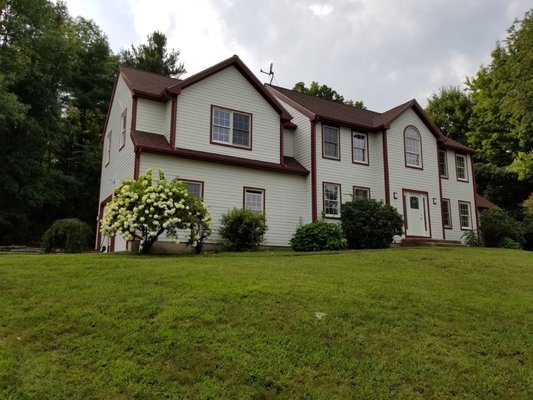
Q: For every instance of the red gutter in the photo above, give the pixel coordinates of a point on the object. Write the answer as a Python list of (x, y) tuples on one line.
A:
[(313, 172), (386, 167)]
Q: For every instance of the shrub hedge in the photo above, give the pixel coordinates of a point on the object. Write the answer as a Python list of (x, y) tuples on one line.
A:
[(317, 236), (70, 234), (242, 229)]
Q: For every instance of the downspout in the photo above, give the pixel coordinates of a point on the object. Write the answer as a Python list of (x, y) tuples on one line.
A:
[(474, 186), (386, 166), (313, 171)]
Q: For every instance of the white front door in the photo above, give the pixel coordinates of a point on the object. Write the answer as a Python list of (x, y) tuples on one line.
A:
[(416, 208)]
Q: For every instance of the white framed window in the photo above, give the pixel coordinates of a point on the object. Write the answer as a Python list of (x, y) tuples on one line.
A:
[(360, 148), (361, 192), (465, 218), (443, 164), (254, 199), (123, 119), (108, 148), (446, 214), (330, 142), (332, 199), (233, 128), (195, 188), (460, 167), (413, 147)]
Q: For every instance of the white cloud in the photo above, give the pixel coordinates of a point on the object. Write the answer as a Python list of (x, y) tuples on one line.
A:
[(321, 10)]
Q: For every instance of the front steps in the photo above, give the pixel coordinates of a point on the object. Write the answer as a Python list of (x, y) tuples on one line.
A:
[(407, 242)]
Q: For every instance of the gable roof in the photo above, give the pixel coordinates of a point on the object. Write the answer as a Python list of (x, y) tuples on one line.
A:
[(483, 202), (146, 83), (315, 107)]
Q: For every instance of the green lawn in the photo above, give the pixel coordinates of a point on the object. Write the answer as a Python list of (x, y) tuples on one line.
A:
[(398, 323)]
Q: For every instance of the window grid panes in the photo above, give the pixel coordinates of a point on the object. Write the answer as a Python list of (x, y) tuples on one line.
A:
[(331, 142), (361, 193), (443, 164), (360, 148), (332, 200), (446, 216), (194, 188), (464, 215), (231, 127), (413, 151), (253, 200), (123, 127), (414, 203), (460, 163), (108, 145)]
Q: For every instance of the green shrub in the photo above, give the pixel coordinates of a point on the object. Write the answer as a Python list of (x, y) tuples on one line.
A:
[(316, 236), (509, 243), (471, 239), (69, 234), (242, 229), (528, 233), (369, 224), (496, 225)]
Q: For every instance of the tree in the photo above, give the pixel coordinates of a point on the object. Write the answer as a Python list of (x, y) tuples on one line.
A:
[(148, 209), (325, 92), (154, 57), (451, 109)]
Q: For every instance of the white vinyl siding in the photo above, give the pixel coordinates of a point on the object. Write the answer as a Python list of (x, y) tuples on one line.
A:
[(227, 89), (288, 142), (151, 116), (223, 190)]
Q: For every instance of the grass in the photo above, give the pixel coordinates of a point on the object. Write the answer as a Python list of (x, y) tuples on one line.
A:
[(398, 323)]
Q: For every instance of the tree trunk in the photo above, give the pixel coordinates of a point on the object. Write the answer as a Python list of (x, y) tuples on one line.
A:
[(146, 244)]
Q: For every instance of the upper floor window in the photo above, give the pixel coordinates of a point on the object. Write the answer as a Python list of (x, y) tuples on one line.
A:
[(254, 199), (464, 215), (332, 199), (123, 120), (232, 128), (413, 147), (330, 142), (460, 167), (443, 164), (108, 148), (446, 214), (361, 192), (195, 188), (360, 148)]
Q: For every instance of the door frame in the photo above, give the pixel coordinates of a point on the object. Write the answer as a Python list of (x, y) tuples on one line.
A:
[(427, 214)]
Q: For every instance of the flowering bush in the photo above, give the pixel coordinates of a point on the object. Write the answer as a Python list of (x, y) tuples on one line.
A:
[(147, 208)]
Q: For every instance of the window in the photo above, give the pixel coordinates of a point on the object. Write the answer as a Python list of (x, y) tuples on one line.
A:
[(332, 200), (123, 120), (330, 142), (414, 203), (464, 215), (195, 188), (232, 128), (360, 148), (413, 147), (443, 164), (254, 199), (460, 167), (446, 214), (108, 148), (361, 192)]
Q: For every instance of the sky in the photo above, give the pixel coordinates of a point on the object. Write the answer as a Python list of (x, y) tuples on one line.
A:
[(383, 52)]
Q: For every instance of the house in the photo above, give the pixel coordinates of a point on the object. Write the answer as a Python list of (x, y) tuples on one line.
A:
[(295, 157)]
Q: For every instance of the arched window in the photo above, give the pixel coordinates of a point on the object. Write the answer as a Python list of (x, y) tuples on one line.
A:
[(413, 147)]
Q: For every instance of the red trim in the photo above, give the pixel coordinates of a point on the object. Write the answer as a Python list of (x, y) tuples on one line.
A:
[(134, 114), (195, 181), (173, 114), (137, 163), (440, 188), (360, 187), (338, 158), (110, 102), (211, 141), (466, 168), (421, 167), (367, 151), (291, 102), (428, 215), (314, 193), (386, 166), (445, 162), (281, 142), (469, 212), (449, 214), (324, 199), (474, 185), (246, 188)]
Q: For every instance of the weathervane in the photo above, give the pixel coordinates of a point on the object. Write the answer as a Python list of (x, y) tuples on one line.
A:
[(269, 73)]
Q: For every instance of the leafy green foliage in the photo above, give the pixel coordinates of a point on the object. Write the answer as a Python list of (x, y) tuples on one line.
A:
[(317, 236), (369, 224), (327, 93), (69, 234), (242, 229), (471, 239), (496, 225), (508, 243), (451, 109), (153, 56), (147, 208)]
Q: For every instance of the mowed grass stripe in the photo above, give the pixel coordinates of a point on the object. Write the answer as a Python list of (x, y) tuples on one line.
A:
[(399, 323)]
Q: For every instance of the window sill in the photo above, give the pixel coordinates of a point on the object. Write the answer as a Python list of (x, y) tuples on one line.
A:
[(231, 145)]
